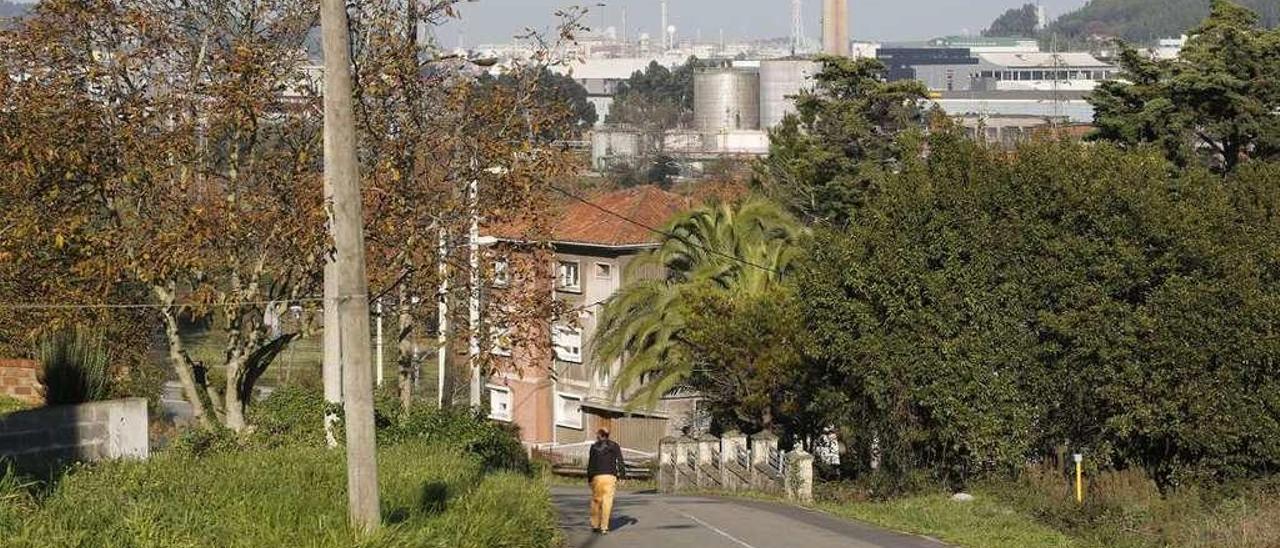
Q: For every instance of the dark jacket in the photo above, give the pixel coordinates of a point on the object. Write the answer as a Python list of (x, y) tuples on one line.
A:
[(606, 459)]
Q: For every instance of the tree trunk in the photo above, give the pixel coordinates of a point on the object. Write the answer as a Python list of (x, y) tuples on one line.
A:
[(233, 408), (406, 357), (179, 359), (342, 171)]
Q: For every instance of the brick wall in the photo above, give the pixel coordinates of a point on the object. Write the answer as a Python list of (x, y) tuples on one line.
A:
[(19, 379), (41, 439)]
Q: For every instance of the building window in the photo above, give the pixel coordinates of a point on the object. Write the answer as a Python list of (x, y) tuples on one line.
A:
[(604, 271), (570, 278), (501, 273), (500, 403), (569, 411), (568, 343)]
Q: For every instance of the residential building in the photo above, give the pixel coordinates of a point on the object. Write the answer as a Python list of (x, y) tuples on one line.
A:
[(560, 398)]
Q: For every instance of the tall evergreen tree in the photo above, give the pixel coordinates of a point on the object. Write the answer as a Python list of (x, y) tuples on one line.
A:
[(845, 137), (1217, 101)]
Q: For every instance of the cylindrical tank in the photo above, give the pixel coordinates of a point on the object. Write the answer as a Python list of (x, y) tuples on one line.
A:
[(780, 82), (726, 99)]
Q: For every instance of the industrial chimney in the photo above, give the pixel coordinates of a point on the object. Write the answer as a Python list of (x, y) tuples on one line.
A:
[(835, 27)]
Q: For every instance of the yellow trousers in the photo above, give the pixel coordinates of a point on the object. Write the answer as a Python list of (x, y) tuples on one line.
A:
[(602, 490)]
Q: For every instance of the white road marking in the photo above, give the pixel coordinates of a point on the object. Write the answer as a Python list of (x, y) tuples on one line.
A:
[(713, 528)]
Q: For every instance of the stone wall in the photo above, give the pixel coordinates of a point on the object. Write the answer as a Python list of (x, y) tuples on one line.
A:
[(20, 379), (43, 439)]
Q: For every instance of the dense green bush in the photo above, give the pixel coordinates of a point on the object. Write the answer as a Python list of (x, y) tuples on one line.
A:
[(295, 416), (431, 495), (290, 415), (982, 309), (497, 445), (75, 367)]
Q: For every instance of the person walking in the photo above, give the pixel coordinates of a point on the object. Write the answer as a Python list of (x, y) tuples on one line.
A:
[(604, 468)]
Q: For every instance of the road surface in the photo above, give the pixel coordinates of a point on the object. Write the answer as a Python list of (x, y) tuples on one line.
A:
[(642, 520)]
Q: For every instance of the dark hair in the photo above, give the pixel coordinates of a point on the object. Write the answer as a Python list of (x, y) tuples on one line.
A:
[(603, 433)]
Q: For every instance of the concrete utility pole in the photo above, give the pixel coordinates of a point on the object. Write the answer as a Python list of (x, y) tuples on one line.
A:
[(332, 367), (378, 344), (342, 171)]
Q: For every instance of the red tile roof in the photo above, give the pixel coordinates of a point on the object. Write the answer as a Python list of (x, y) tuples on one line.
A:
[(646, 205)]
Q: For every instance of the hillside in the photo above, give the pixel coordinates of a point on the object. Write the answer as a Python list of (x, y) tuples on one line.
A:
[(12, 9), (1147, 20)]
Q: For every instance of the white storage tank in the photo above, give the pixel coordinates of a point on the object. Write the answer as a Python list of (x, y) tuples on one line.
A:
[(726, 99), (780, 81)]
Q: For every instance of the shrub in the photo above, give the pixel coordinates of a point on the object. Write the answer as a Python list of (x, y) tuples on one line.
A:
[(498, 446), (203, 442), (1126, 508), (295, 416), (74, 367), (290, 415), (142, 379)]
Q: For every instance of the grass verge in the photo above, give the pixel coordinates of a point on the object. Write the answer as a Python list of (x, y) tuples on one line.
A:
[(289, 496), (980, 523)]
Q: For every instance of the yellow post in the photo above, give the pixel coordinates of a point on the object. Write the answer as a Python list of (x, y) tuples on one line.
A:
[(1079, 478)]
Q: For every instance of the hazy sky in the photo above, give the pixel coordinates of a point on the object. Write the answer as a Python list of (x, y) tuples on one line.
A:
[(498, 20)]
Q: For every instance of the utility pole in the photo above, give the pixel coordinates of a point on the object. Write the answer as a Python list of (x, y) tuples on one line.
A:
[(343, 173), (332, 366), (378, 343)]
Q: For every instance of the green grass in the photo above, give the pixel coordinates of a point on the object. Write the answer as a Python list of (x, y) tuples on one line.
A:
[(981, 523), (292, 496), (10, 405)]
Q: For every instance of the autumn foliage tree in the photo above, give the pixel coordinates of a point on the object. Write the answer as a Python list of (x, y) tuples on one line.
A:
[(430, 125), (175, 150)]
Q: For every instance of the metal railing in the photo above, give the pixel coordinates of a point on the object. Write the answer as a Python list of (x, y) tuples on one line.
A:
[(691, 457), (743, 457), (775, 460)]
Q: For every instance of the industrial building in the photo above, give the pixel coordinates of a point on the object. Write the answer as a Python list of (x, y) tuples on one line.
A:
[(734, 107), (961, 69)]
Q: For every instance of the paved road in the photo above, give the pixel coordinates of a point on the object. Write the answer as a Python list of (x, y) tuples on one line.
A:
[(642, 520)]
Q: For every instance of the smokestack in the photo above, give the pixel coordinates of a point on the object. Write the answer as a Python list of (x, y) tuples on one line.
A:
[(835, 27), (665, 33)]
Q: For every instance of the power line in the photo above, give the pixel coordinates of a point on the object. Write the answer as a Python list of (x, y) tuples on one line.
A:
[(138, 306), (661, 232)]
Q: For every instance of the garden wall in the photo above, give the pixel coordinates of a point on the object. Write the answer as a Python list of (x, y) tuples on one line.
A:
[(19, 379), (42, 439)]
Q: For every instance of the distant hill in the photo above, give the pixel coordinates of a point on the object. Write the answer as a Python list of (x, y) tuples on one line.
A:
[(13, 9), (1142, 21)]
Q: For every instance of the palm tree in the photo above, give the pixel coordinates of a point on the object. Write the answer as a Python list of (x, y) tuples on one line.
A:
[(738, 249)]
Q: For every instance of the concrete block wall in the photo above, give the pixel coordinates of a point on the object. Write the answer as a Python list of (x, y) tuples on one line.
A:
[(42, 439), (20, 379)]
